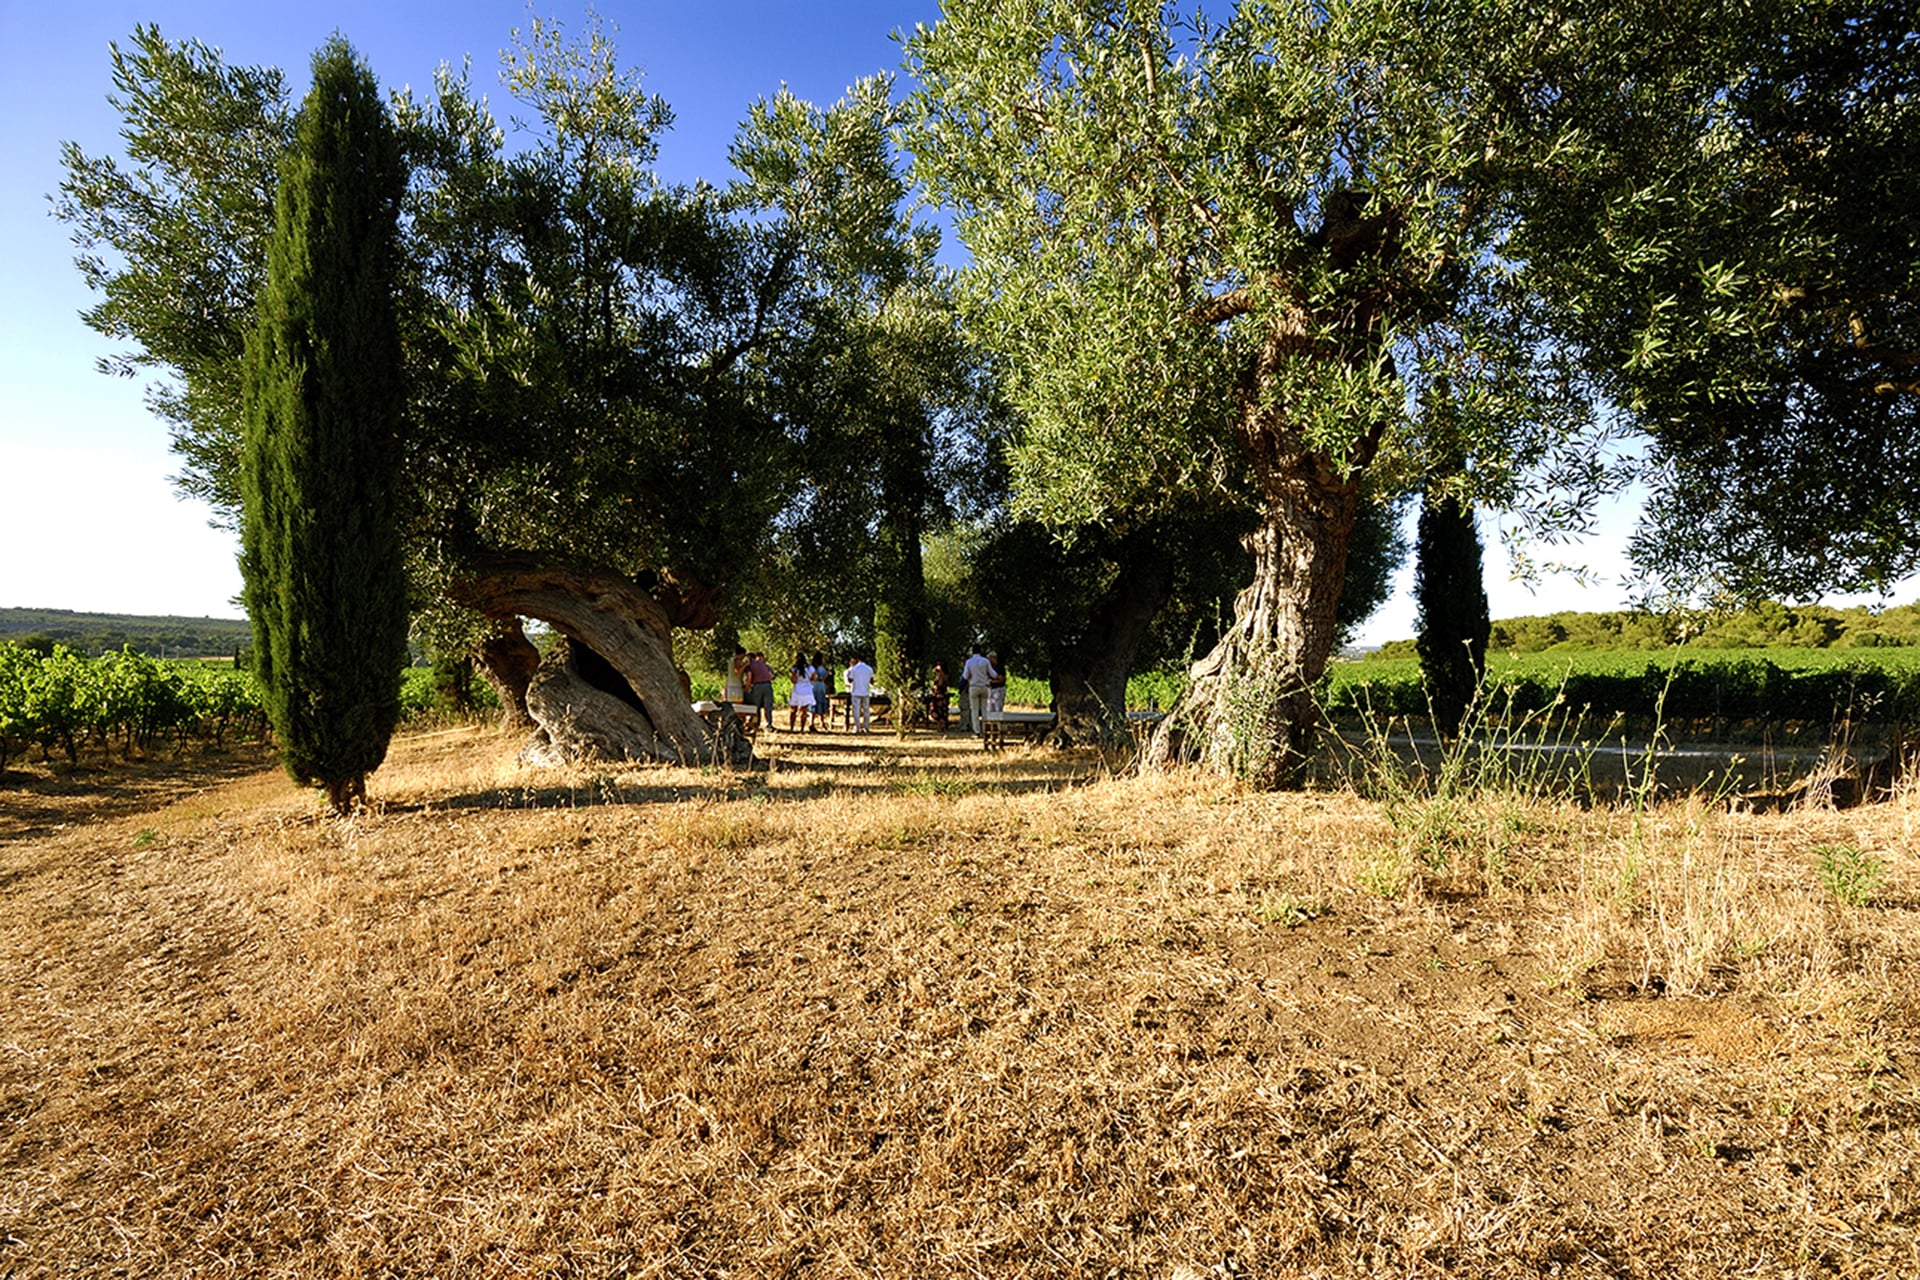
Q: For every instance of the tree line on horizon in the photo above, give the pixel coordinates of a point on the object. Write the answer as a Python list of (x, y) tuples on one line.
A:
[(1763, 624), (159, 636)]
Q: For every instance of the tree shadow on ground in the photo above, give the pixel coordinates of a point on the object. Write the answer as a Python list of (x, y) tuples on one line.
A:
[(799, 767), (39, 798)]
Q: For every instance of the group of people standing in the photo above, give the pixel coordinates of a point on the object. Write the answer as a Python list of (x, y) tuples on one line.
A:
[(982, 688), (750, 682)]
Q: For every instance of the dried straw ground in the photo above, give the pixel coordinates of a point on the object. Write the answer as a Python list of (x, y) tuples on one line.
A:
[(902, 1010)]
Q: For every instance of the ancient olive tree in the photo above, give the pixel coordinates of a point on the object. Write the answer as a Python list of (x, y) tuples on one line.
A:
[(593, 350), (325, 578), (892, 386), (1089, 607), (1225, 256)]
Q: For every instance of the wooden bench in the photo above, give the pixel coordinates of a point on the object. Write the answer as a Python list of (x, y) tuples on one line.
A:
[(1142, 724), (840, 710), (746, 715), (995, 725)]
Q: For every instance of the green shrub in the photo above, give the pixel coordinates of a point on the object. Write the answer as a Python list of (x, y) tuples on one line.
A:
[(1850, 874)]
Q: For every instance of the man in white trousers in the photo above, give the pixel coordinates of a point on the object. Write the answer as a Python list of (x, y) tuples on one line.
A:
[(977, 671), (860, 696)]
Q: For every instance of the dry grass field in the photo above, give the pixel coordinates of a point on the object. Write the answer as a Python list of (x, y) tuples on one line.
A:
[(898, 1009)]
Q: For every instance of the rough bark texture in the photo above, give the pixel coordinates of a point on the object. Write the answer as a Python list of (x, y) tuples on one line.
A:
[(614, 619), (508, 661), (1089, 678), (1250, 708), (579, 718)]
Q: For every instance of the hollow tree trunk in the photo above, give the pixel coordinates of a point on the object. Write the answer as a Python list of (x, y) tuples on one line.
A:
[(611, 616), (1089, 677), (508, 662), (1250, 708)]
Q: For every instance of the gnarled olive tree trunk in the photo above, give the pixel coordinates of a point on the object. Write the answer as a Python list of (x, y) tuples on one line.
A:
[(1250, 708), (1089, 677), (625, 701)]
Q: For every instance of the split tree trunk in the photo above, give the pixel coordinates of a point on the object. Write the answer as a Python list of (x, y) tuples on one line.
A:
[(612, 617), (1250, 708), (509, 661)]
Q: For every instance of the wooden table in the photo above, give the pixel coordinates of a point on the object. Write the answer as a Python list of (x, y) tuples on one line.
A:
[(840, 707), (995, 725)]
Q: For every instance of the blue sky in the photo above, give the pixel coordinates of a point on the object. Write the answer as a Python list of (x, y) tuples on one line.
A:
[(89, 520)]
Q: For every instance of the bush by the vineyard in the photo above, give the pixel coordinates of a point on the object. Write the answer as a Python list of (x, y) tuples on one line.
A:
[(1158, 689), (424, 696), (417, 693)]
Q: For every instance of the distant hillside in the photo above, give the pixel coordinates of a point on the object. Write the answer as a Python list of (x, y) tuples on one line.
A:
[(1763, 626), (95, 633)]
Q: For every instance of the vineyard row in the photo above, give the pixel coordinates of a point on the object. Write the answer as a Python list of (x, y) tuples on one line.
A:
[(127, 700)]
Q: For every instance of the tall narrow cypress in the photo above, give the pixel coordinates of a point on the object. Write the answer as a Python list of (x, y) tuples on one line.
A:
[(320, 557)]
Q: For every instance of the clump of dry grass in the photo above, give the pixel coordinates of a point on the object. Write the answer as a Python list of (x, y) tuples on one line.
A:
[(901, 1009)]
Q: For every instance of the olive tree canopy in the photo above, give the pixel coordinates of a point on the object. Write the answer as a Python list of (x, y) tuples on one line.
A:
[(1730, 239)]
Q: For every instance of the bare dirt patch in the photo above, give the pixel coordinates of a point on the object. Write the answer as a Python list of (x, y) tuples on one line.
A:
[(903, 1009)]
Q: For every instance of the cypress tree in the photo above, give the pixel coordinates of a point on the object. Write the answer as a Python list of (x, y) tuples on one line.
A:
[(321, 560), (1454, 620)]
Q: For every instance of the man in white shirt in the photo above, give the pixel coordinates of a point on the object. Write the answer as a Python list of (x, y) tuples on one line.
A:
[(977, 672), (860, 696)]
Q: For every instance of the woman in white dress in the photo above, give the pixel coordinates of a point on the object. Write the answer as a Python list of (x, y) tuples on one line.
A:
[(800, 701)]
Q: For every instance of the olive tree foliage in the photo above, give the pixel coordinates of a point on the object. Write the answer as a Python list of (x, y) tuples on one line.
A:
[(1730, 238), (325, 580), (891, 384), (593, 349), (173, 237), (1225, 256)]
